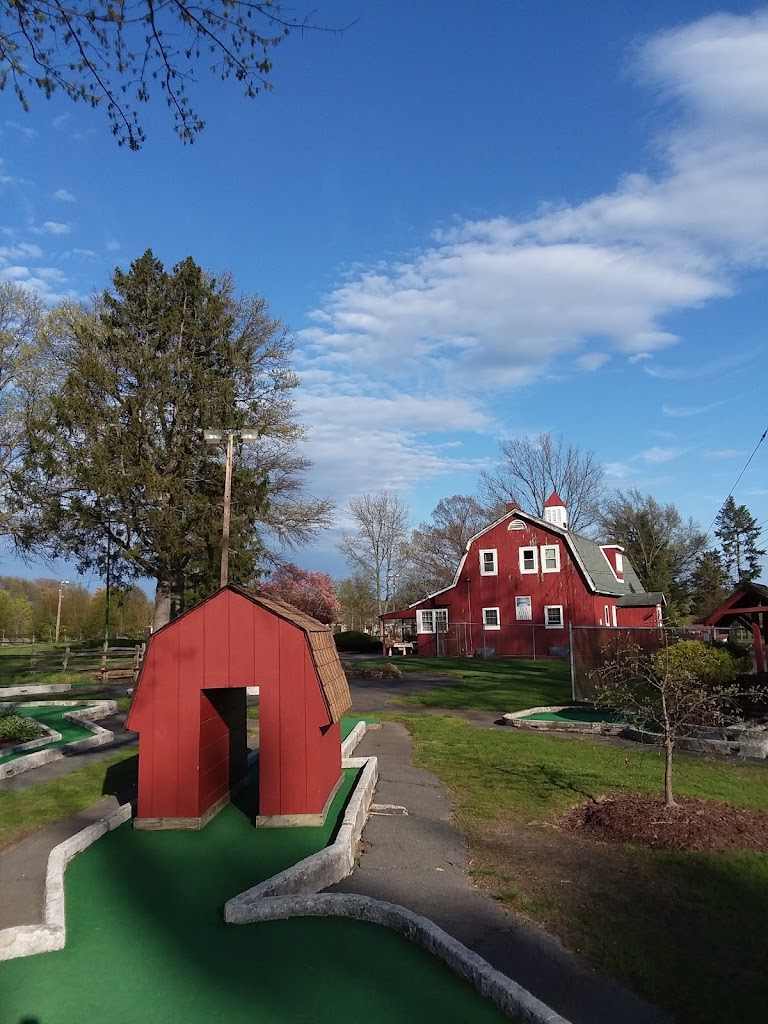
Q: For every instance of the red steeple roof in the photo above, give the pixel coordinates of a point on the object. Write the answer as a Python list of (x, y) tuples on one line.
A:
[(554, 499)]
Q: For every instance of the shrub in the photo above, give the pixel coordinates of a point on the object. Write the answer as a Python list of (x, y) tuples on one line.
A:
[(354, 641), (707, 663), (17, 728)]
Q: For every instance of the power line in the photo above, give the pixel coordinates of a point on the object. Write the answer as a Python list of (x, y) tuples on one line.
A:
[(741, 474)]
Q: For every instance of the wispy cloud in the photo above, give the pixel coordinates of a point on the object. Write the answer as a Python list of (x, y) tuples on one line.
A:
[(724, 453), (681, 411), (63, 195), (657, 455), (22, 129), (591, 361), (51, 227), (712, 368)]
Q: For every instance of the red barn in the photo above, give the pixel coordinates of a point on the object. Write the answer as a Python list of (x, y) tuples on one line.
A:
[(190, 712), (523, 581)]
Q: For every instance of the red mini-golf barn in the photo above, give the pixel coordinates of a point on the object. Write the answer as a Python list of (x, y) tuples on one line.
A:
[(190, 712)]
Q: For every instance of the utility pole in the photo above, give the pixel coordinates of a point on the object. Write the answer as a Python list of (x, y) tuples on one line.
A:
[(227, 509), (62, 584)]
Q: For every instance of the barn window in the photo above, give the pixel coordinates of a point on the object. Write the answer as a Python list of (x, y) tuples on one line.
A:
[(432, 620), (523, 608), (619, 563), (553, 616), (550, 558), (529, 560), (516, 524), (488, 562), (491, 618)]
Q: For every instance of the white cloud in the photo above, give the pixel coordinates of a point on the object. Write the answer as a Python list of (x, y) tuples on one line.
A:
[(513, 296), (681, 411), (655, 456), (51, 227), (63, 195), (22, 129), (23, 250), (724, 453), (591, 361)]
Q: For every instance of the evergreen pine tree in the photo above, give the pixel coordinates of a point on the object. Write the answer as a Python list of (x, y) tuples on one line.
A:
[(709, 585), (738, 533), (119, 459)]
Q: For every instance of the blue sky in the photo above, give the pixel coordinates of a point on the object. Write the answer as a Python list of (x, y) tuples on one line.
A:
[(479, 221)]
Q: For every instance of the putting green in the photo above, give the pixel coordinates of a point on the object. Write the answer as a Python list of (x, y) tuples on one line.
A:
[(53, 717), (146, 942), (348, 724), (571, 715)]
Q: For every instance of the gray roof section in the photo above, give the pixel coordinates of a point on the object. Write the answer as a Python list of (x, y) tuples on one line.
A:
[(653, 597), (600, 572)]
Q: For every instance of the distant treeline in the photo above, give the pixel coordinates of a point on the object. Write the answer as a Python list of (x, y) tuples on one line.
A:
[(28, 610)]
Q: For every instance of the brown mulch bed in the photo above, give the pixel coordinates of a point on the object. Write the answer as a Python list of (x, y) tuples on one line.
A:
[(695, 825)]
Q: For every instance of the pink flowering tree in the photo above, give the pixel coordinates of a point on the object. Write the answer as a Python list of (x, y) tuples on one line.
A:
[(310, 592)]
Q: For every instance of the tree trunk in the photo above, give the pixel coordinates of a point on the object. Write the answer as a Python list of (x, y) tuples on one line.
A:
[(669, 800), (177, 595), (162, 614)]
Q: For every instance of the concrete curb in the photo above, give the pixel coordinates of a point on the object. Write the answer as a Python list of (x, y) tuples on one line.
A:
[(516, 719), (327, 866), (30, 939), (32, 689), (86, 718), (510, 997)]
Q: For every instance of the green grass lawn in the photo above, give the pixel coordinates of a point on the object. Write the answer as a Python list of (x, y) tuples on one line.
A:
[(85, 659), (146, 942), (687, 930), (504, 684)]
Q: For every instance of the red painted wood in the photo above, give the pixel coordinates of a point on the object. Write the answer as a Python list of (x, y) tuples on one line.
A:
[(225, 642)]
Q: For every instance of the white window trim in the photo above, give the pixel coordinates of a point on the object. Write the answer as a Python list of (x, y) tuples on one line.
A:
[(556, 549), (619, 564), (433, 613), (524, 597), (614, 616), (483, 570), (553, 625), (487, 625), (535, 569)]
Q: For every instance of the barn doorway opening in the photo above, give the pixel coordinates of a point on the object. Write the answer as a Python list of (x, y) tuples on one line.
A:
[(223, 744)]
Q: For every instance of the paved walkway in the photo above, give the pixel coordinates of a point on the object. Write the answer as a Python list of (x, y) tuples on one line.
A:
[(420, 862)]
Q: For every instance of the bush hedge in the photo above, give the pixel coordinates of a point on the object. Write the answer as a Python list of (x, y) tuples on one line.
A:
[(353, 641), (16, 728)]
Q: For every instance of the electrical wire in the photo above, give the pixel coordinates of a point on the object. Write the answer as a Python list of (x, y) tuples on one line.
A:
[(741, 474)]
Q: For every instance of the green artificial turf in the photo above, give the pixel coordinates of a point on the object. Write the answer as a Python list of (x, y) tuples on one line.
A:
[(349, 723), (52, 717), (146, 942), (502, 684)]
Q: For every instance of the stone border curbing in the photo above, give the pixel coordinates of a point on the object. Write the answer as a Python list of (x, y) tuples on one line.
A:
[(34, 688), (85, 717), (327, 866), (29, 939), (511, 998), (516, 719)]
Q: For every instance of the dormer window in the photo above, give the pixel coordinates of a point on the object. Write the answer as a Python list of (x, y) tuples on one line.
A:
[(619, 564), (488, 562)]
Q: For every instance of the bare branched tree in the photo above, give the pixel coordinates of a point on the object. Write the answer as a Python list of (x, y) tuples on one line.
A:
[(438, 546), (112, 54), (531, 468), (377, 548), (671, 692)]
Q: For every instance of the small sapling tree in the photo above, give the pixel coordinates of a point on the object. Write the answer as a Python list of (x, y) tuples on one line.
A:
[(672, 691)]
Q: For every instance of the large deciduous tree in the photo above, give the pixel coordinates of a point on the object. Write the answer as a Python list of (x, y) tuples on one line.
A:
[(377, 545), (113, 55), (438, 546), (737, 530), (531, 468), (25, 379), (310, 592), (118, 464), (662, 547)]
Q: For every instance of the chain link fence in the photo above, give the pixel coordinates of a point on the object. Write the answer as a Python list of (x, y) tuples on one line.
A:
[(513, 640), (592, 646)]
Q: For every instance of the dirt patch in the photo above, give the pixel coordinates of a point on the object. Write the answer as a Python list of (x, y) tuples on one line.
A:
[(694, 825)]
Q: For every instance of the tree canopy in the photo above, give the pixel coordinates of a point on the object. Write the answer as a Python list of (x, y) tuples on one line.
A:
[(737, 530), (662, 547), (310, 592), (437, 546), (118, 461), (531, 468), (114, 55), (377, 546)]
